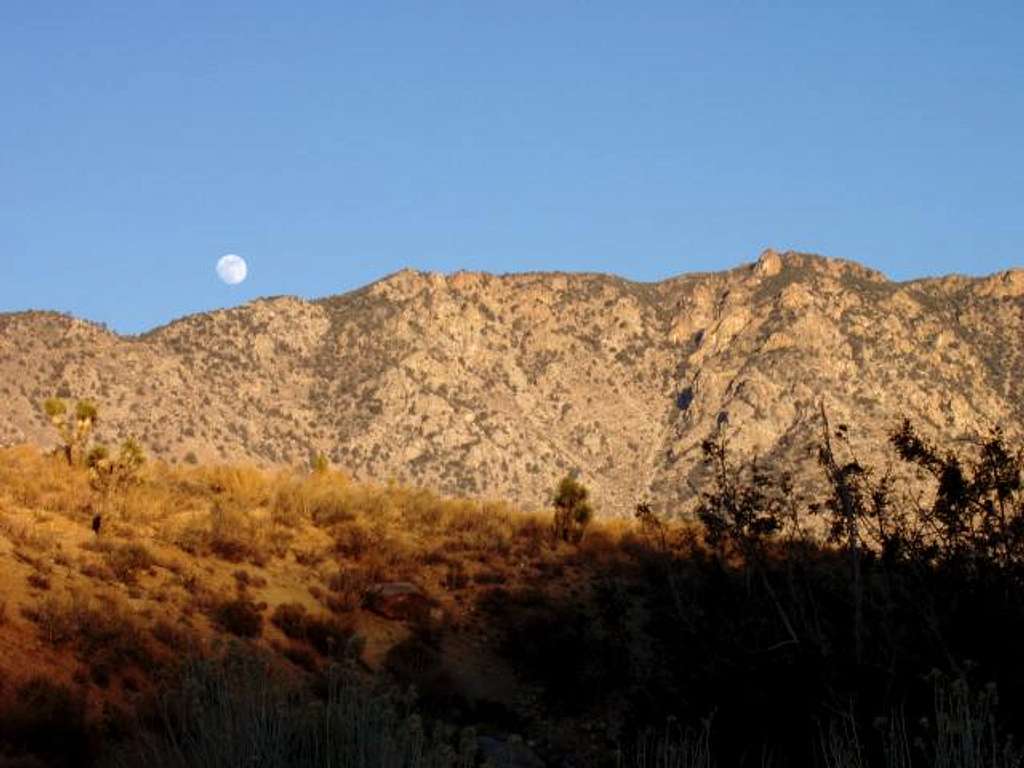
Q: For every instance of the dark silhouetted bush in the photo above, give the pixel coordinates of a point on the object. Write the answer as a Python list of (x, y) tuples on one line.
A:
[(290, 618), (241, 617)]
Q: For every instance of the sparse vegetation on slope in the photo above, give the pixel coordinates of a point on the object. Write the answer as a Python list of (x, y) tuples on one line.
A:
[(296, 603)]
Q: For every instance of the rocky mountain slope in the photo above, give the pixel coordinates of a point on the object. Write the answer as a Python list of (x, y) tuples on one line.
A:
[(497, 385)]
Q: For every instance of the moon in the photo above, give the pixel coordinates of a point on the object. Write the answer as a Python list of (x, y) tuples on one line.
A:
[(232, 269)]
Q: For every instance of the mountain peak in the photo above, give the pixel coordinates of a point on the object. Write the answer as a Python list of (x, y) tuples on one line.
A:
[(497, 385)]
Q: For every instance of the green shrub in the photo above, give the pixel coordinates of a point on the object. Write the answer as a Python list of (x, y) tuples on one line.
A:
[(572, 510)]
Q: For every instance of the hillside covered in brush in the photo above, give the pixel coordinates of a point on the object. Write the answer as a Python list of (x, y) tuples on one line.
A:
[(222, 615), (496, 385)]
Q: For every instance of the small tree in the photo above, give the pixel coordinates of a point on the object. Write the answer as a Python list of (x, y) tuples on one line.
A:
[(976, 520), (572, 510), (853, 498), (742, 506), (74, 428)]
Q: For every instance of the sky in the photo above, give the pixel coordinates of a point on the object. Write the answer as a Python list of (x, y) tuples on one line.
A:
[(331, 143)]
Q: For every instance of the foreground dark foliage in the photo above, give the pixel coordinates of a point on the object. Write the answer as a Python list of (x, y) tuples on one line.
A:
[(46, 720), (239, 711), (797, 652)]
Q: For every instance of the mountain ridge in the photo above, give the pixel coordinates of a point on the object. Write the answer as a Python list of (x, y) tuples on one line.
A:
[(474, 383), (1011, 276)]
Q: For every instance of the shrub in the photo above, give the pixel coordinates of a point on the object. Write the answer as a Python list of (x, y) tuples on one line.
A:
[(290, 618), (240, 617), (290, 505), (102, 636), (744, 505), (347, 586), (353, 540), (300, 657), (55, 622), (530, 534), (308, 557), (329, 637), (416, 659), (455, 576), (332, 639), (127, 560), (329, 501), (39, 581), (111, 475), (323, 497), (235, 537), (172, 636), (572, 510)]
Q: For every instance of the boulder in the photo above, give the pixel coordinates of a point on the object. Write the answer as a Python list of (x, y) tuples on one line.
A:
[(769, 264), (402, 601)]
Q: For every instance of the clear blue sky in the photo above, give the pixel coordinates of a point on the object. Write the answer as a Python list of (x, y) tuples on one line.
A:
[(330, 143)]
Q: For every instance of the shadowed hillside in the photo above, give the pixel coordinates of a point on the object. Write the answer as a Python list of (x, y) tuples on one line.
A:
[(221, 615), (482, 384)]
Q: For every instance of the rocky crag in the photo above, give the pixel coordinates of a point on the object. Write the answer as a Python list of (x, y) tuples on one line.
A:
[(494, 385)]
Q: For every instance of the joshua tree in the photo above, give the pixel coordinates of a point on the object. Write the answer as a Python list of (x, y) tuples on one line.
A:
[(74, 427), (110, 476), (115, 474)]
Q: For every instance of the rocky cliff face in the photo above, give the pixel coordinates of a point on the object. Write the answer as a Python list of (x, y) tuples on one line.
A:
[(497, 385)]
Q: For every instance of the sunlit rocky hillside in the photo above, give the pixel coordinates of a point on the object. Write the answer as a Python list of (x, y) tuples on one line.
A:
[(496, 385)]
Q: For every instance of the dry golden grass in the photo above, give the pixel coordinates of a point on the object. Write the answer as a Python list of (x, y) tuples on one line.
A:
[(241, 513), (35, 481), (192, 558), (191, 555)]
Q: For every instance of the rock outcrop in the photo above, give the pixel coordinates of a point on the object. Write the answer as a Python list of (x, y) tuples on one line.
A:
[(490, 385)]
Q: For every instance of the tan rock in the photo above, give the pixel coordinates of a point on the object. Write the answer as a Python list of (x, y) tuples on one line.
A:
[(769, 264), (498, 385)]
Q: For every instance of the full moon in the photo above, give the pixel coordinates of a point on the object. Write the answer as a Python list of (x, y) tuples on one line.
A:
[(232, 269)]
